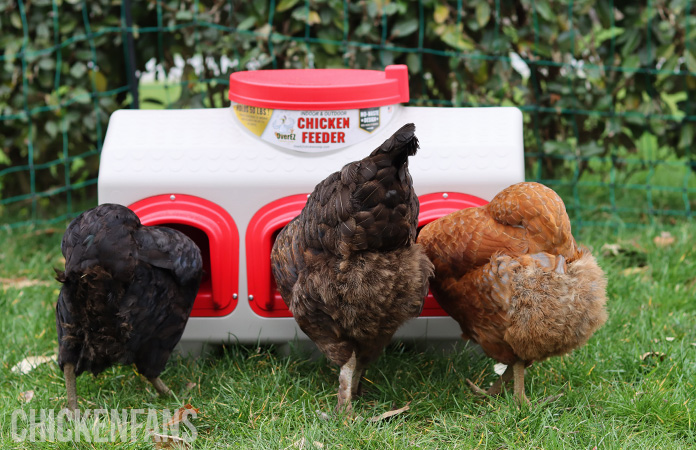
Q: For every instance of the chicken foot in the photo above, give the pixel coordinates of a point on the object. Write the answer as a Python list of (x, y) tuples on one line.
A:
[(348, 381), (70, 386), (158, 384), (497, 386), (514, 372)]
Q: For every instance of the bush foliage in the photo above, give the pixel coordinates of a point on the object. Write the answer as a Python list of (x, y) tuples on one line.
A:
[(608, 88)]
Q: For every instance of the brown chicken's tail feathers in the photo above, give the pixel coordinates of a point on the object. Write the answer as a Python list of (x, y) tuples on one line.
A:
[(551, 313), (402, 144)]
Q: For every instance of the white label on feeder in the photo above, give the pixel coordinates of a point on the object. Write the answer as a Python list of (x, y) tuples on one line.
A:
[(313, 131)]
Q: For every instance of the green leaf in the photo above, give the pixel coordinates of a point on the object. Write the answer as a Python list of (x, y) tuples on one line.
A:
[(453, 36), (613, 126), (647, 145), (441, 13), (404, 28), (543, 8), (386, 58), (327, 34), (604, 103), (78, 69), (372, 9), (247, 23), (51, 128), (632, 42), (100, 81), (631, 62), (591, 149), (667, 69), (690, 61), (686, 138), (603, 35), (47, 63), (363, 29), (413, 63), (483, 13), (390, 9), (16, 20), (184, 15), (313, 18), (284, 5), (42, 31), (558, 148), (77, 164), (81, 95), (4, 159)]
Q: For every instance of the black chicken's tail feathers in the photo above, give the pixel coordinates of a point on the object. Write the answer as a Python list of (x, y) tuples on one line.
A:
[(401, 144)]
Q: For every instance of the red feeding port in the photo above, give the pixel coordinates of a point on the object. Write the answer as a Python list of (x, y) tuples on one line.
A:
[(432, 207), (264, 227), (265, 299), (215, 233)]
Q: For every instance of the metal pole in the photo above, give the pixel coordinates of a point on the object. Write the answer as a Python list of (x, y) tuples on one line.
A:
[(130, 54)]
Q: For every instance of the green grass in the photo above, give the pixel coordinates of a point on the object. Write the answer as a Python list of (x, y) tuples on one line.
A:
[(257, 397)]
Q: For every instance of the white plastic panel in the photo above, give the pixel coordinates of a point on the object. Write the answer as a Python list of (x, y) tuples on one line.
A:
[(206, 153)]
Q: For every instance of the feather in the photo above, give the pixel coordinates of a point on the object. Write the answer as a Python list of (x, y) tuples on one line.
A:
[(350, 293), (511, 274), (127, 291)]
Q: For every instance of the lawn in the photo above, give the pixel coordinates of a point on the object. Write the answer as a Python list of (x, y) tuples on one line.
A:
[(631, 386)]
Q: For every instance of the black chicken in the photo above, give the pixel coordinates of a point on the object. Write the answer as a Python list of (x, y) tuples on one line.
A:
[(348, 267), (127, 294)]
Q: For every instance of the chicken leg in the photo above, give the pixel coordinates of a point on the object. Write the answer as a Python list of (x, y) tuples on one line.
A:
[(162, 388), (357, 383), (70, 386), (518, 369), (348, 381)]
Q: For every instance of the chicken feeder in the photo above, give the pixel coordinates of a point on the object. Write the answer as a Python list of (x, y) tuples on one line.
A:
[(231, 178)]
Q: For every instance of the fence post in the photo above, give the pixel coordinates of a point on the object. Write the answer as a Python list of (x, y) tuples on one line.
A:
[(130, 54)]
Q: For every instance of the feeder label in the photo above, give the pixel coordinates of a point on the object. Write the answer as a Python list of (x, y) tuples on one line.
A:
[(253, 118), (313, 131), (369, 119)]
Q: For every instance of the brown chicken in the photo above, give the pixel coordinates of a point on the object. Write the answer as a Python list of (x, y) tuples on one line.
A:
[(512, 275), (348, 266)]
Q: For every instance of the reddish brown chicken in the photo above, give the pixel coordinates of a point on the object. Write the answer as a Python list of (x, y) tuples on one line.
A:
[(512, 275)]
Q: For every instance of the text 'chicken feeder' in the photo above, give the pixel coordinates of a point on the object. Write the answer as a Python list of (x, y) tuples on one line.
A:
[(232, 178)]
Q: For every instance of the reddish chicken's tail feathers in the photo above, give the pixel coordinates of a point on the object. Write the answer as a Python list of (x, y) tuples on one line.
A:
[(402, 144), (554, 306), (540, 211)]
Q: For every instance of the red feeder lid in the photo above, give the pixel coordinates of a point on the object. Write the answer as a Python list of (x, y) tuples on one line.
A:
[(320, 89)]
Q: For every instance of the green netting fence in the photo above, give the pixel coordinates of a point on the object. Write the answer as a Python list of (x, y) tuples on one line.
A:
[(607, 88)]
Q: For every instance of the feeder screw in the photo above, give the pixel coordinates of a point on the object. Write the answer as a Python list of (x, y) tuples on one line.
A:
[(251, 297), (172, 197), (445, 195), (234, 296)]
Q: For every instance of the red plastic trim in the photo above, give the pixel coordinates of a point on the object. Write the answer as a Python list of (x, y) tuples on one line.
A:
[(216, 294), (320, 89), (265, 224), (263, 228), (439, 204), (432, 207)]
